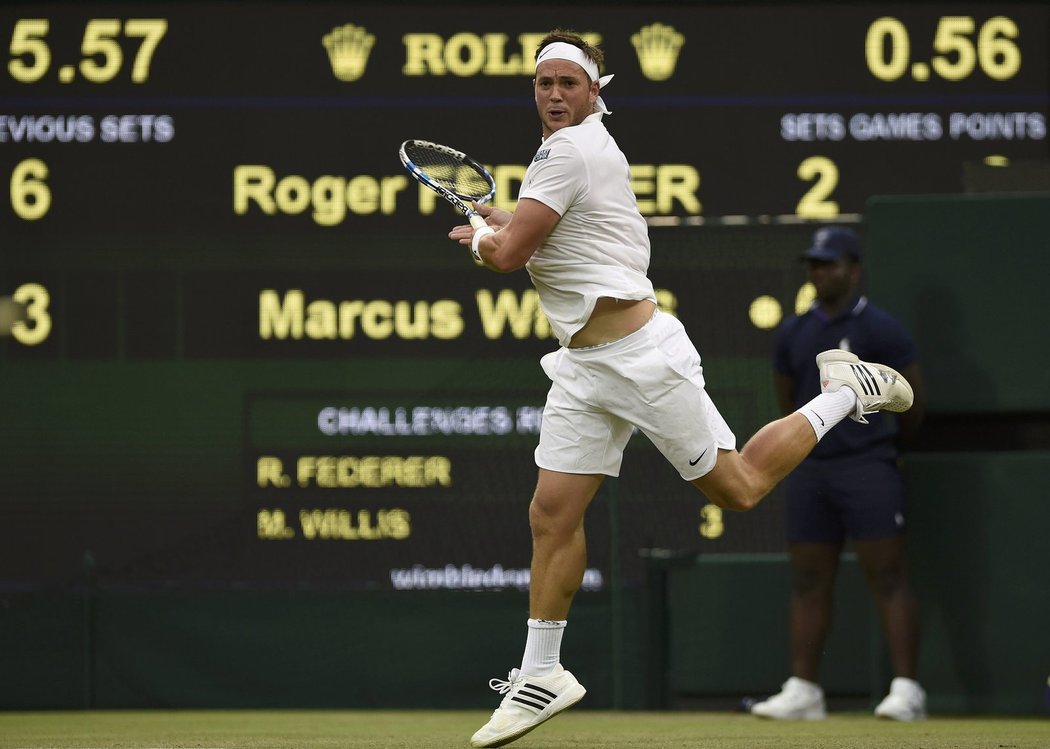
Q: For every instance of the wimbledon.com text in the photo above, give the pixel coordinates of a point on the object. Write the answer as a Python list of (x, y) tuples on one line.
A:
[(468, 577)]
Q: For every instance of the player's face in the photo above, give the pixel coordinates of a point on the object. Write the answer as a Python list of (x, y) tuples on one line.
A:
[(565, 96)]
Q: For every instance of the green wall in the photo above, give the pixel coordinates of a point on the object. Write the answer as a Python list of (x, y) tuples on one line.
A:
[(965, 273)]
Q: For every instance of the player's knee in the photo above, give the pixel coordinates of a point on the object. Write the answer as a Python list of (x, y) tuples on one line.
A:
[(732, 484), (737, 501), (734, 498), (549, 519)]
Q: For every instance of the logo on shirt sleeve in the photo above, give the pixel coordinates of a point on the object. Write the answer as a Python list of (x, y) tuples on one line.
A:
[(542, 154)]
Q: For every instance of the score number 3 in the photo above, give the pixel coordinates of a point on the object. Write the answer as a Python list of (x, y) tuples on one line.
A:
[(824, 174), (35, 325)]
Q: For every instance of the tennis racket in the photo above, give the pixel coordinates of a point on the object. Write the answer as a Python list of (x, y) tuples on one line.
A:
[(452, 174)]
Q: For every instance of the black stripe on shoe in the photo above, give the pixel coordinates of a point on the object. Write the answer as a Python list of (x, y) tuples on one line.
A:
[(873, 380), (541, 690), (866, 380), (534, 696), (539, 706)]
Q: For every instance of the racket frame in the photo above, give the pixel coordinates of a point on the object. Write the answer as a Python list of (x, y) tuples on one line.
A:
[(458, 200)]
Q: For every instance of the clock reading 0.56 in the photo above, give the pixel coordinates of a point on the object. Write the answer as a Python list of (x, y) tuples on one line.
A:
[(102, 55), (887, 49)]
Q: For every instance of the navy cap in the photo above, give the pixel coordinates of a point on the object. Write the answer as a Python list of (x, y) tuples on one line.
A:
[(832, 242)]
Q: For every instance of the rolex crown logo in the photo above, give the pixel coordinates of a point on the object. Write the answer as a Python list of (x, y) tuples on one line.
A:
[(348, 49), (657, 47)]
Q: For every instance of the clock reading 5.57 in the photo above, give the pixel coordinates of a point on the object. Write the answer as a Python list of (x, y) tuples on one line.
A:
[(101, 50)]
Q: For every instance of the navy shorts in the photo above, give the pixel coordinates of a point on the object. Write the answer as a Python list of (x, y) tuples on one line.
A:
[(828, 501)]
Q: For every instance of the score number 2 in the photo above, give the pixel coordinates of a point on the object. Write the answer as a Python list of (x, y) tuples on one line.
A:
[(824, 174)]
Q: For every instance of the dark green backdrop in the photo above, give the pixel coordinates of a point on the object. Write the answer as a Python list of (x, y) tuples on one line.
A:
[(122, 628)]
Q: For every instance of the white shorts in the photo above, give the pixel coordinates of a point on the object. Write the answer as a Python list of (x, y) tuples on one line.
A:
[(652, 379)]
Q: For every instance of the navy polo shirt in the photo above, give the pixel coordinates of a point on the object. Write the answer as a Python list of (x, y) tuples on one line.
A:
[(869, 332)]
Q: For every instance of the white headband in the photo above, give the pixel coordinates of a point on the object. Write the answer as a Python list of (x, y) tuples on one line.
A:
[(572, 53)]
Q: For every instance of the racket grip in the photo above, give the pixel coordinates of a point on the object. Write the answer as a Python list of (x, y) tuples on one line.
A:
[(477, 221)]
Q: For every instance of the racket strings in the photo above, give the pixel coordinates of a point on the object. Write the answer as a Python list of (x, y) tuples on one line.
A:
[(451, 173)]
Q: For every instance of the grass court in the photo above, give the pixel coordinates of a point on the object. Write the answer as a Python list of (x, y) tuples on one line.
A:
[(361, 729)]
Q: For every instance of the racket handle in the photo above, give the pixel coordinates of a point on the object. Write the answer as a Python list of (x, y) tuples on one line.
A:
[(477, 221)]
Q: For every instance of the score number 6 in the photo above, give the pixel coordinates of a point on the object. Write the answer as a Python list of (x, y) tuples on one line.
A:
[(30, 195)]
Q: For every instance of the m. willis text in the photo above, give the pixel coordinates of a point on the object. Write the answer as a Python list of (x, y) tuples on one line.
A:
[(346, 472)]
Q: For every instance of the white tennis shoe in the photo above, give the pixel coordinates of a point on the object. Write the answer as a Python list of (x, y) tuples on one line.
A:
[(906, 701), (529, 701), (878, 387), (797, 699)]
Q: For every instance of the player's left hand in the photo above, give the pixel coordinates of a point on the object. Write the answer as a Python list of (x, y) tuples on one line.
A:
[(497, 218)]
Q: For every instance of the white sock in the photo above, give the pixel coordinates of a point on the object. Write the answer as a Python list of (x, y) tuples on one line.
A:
[(543, 647), (828, 409)]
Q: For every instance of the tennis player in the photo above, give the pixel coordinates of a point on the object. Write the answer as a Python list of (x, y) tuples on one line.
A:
[(622, 364)]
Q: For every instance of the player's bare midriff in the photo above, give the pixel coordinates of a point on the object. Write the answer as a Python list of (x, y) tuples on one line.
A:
[(611, 320)]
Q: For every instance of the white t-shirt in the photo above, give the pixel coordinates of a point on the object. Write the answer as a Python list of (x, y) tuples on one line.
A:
[(600, 247)]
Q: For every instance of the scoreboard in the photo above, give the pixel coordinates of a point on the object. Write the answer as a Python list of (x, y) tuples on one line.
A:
[(236, 347), (244, 117)]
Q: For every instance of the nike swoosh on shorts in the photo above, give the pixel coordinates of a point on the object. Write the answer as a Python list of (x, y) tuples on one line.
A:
[(694, 462)]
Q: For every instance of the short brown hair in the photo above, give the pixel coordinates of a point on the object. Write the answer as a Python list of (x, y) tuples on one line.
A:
[(571, 37)]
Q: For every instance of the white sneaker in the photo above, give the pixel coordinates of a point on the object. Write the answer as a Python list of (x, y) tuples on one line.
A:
[(878, 387), (530, 700), (798, 699), (906, 701)]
